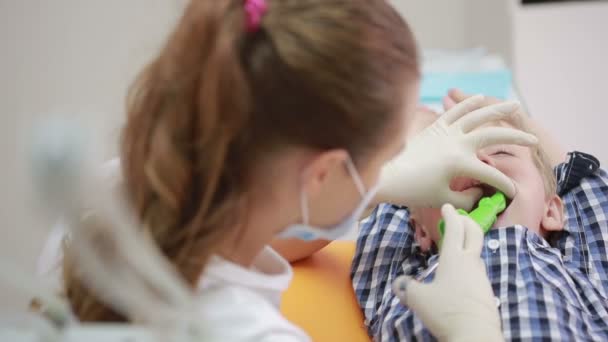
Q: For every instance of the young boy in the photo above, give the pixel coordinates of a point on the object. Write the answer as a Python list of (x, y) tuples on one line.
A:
[(536, 206), (550, 279)]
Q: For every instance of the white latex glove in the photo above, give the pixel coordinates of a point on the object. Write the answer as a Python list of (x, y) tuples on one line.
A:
[(421, 174), (459, 304)]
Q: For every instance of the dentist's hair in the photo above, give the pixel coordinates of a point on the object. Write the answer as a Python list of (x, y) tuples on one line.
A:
[(318, 74)]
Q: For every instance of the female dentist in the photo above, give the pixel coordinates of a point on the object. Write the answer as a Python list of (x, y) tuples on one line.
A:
[(274, 118)]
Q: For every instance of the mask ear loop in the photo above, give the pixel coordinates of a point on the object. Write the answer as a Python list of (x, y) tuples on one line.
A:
[(304, 206), (352, 169)]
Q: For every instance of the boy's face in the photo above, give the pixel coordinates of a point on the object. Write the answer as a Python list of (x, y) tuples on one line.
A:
[(530, 207), (516, 162)]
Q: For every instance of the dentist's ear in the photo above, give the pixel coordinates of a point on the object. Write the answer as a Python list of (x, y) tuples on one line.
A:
[(320, 167), (553, 218)]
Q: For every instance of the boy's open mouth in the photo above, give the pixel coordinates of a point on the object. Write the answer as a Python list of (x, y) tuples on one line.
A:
[(461, 184)]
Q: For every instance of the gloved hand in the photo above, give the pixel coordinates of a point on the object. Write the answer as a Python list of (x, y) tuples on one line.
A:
[(546, 140), (420, 176), (459, 304)]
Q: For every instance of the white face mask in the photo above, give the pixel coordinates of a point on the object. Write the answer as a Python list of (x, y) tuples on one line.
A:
[(304, 231)]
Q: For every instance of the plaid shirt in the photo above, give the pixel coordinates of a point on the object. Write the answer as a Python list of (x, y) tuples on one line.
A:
[(543, 292)]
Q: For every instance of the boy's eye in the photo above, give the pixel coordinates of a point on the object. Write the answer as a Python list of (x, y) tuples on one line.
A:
[(502, 152)]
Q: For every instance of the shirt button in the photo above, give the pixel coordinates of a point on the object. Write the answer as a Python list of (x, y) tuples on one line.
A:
[(497, 300), (493, 244)]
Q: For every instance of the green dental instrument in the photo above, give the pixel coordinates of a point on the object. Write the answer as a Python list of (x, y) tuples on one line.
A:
[(486, 212)]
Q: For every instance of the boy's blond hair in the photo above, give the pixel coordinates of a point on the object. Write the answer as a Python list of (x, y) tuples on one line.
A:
[(539, 155)]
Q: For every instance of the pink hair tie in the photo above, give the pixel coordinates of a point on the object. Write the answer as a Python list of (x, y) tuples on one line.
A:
[(255, 10)]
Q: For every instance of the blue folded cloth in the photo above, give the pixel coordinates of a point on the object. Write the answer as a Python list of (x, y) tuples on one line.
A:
[(496, 83)]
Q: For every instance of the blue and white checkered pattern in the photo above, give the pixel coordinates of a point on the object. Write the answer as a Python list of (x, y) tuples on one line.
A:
[(545, 293)]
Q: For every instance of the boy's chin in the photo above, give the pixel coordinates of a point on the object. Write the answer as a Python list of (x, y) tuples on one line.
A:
[(506, 218), (503, 221)]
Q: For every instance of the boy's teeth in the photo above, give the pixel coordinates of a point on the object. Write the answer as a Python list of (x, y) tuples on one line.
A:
[(463, 183)]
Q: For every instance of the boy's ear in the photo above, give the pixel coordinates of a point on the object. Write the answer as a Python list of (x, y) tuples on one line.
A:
[(553, 219), (422, 236)]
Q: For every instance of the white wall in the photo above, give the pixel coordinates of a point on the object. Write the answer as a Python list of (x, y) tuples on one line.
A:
[(436, 23), (454, 24), (72, 57), (488, 23), (561, 67)]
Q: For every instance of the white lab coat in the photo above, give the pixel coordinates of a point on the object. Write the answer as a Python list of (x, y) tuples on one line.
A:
[(242, 304)]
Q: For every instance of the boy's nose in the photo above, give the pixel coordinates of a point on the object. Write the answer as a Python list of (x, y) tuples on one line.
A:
[(486, 158)]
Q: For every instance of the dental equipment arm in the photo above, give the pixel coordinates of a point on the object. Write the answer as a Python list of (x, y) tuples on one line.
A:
[(420, 176), (458, 305), (117, 260), (56, 309), (121, 265)]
